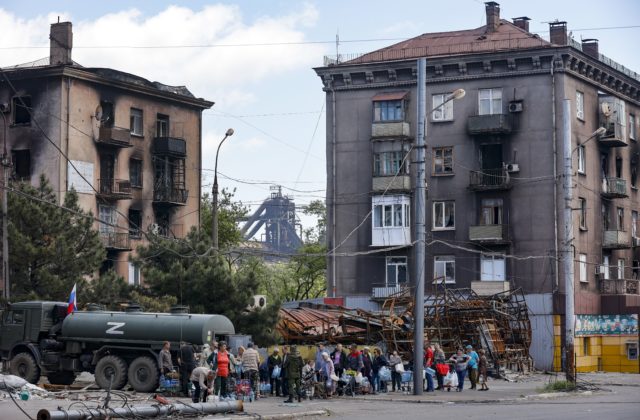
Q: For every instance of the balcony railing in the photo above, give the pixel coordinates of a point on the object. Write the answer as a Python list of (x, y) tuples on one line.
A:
[(170, 195), (116, 189), (170, 146), (391, 183), (114, 136), (116, 241), (614, 188), (489, 179), (619, 287), (489, 124), (488, 288), (616, 239), (390, 129), (384, 291), (489, 233)]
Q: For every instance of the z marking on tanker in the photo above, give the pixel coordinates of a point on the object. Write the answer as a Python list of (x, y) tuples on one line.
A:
[(114, 329)]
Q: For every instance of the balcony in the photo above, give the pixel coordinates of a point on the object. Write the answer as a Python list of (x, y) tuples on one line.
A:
[(614, 137), (385, 291), (169, 146), (614, 188), (619, 286), (390, 129), (116, 241), (489, 234), (391, 183), (114, 189), (488, 288), (489, 124), (616, 239), (489, 180), (170, 196), (114, 136)]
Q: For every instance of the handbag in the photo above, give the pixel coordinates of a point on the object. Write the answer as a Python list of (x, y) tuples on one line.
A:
[(384, 373), (276, 372), (399, 368), (442, 368)]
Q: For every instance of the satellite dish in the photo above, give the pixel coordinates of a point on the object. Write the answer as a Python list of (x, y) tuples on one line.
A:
[(606, 109), (98, 114)]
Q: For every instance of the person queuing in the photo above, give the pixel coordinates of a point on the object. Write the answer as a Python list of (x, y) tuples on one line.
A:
[(339, 359), (378, 362), (308, 377), (396, 377), (275, 361), (328, 374), (472, 366), (250, 364), (187, 362), (354, 359), (204, 355), (441, 366), (202, 379), (293, 368), (283, 372), (367, 367), (222, 363), (482, 368), (319, 361), (429, 363), (166, 364), (460, 361)]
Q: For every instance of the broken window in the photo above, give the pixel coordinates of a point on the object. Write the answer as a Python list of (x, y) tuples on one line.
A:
[(443, 215), (22, 110), (162, 126), (21, 164), (106, 116), (442, 112), (491, 211), (442, 160), (135, 173), (135, 223), (136, 122), (444, 269), (396, 271)]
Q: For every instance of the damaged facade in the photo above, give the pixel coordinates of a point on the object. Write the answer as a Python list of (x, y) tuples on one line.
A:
[(494, 185), (137, 143)]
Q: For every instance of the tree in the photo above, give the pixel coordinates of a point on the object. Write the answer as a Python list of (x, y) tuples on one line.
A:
[(108, 290), (318, 233), (50, 247), (230, 213)]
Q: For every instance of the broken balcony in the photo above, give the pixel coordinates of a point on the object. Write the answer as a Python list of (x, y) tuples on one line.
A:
[(116, 241), (614, 188), (489, 124), (616, 239), (614, 136), (169, 146), (619, 286), (170, 196), (489, 179), (114, 136), (489, 234), (114, 189)]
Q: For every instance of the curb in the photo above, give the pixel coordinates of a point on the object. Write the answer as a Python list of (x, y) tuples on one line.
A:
[(548, 395), (279, 416)]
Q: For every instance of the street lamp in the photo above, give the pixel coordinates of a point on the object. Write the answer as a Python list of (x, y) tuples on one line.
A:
[(214, 209), (420, 201), (567, 261)]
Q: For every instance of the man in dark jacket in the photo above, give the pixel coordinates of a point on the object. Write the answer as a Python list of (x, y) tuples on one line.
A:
[(367, 370), (187, 362), (339, 359), (293, 367), (354, 359), (273, 361), (283, 372)]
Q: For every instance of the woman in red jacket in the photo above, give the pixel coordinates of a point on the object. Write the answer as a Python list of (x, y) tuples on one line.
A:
[(223, 365)]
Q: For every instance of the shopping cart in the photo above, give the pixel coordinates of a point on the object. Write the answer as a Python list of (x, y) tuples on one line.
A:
[(406, 382)]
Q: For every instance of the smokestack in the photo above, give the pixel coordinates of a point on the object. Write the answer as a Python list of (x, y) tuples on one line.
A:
[(558, 33), (60, 43), (522, 23), (590, 47), (493, 16)]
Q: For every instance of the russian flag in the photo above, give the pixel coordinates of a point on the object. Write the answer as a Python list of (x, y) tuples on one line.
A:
[(73, 306)]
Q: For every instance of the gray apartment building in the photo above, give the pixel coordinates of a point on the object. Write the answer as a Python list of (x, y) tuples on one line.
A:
[(494, 176)]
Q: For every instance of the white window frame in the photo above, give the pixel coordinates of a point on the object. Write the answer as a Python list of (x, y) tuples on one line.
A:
[(582, 260), (582, 159), (492, 274), (440, 264), (136, 120), (134, 274), (390, 215), (445, 205), (443, 112), (109, 216), (579, 105), (606, 265), (632, 127), (621, 263), (582, 217), (634, 223), (390, 163), (493, 97), (397, 263), (442, 161)]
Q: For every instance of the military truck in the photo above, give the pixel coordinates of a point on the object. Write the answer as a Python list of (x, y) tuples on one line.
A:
[(40, 338)]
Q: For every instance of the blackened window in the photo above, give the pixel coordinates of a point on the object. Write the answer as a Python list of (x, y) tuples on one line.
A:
[(21, 164), (22, 110), (135, 172), (162, 126), (135, 223)]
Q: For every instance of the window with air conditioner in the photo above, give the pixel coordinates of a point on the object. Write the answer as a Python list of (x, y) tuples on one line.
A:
[(489, 101), (444, 215), (582, 259), (444, 269), (442, 112), (492, 268), (396, 271)]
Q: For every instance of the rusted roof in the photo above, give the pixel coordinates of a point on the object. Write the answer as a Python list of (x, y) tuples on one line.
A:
[(506, 37), (390, 96)]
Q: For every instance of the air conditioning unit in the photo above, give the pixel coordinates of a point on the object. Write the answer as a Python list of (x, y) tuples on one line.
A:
[(513, 167), (5, 108), (259, 302), (516, 106)]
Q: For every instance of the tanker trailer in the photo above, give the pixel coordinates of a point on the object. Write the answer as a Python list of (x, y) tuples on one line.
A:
[(117, 347)]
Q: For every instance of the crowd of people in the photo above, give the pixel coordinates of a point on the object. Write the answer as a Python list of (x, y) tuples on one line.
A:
[(286, 374)]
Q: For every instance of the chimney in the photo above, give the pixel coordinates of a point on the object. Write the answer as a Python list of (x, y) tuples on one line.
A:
[(558, 33), (493, 16), (522, 23), (60, 43), (590, 47)]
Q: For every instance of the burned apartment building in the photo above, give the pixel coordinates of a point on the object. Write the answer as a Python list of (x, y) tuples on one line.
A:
[(494, 206), (133, 146)]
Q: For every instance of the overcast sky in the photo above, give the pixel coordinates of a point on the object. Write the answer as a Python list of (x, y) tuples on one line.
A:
[(268, 92)]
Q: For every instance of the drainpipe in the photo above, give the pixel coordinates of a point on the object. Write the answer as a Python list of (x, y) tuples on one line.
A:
[(333, 193), (66, 146), (555, 177)]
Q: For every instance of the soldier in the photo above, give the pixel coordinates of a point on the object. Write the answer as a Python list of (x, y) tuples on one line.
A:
[(293, 367)]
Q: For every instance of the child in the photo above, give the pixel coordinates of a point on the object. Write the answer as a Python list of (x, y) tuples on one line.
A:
[(482, 367)]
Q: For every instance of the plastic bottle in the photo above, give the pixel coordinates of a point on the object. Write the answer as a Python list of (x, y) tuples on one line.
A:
[(25, 395)]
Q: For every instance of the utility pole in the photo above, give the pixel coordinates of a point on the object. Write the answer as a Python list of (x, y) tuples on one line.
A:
[(214, 193), (568, 260), (420, 209), (6, 164)]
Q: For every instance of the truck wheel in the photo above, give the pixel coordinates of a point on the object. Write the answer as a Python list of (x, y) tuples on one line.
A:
[(63, 377), (143, 374), (25, 366), (111, 366)]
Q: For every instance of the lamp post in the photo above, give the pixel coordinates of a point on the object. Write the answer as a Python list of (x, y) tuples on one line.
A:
[(420, 209), (6, 285), (214, 209), (568, 260)]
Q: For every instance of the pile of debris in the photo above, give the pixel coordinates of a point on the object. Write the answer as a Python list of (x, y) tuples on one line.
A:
[(453, 317)]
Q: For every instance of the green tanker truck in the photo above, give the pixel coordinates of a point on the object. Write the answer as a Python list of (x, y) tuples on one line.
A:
[(39, 338)]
